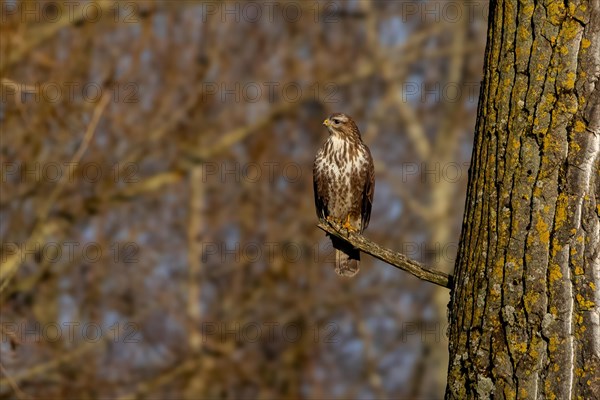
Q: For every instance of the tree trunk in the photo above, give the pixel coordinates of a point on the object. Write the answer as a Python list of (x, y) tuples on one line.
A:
[(524, 311)]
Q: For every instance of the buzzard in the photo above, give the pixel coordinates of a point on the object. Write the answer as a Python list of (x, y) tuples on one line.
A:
[(344, 182)]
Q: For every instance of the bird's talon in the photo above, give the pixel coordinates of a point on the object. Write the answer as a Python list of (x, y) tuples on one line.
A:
[(348, 226)]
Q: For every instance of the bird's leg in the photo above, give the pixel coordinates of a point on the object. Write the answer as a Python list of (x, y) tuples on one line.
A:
[(348, 225)]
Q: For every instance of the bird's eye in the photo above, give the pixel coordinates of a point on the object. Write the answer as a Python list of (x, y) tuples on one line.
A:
[(336, 121)]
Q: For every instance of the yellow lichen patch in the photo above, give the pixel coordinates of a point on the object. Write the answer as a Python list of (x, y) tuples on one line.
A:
[(554, 273), (578, 270), (543, 232), (537, 191), (553, 345), (528, 258), (585, 43), (550, 99), (570, 102), (560, 214), (533, 353), (570, 30), (592, 285), (579, 126), (523, 393), (522, 347), (575, 147), (556, 12), (509, 11), (515, 143), (584, 303), (509, 393), (553, 311), (540, 76), (569, 82), (548, 389), (556, 247), (530, 300), (528, 10), (523, 33), (519, 52)]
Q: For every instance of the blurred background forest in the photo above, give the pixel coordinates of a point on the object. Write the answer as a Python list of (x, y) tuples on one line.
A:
[(158, 228)]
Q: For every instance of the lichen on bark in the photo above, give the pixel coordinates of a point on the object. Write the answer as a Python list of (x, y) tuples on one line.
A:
[(524, 311)]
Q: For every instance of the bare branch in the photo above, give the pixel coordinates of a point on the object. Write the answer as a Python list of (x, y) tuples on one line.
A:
[(42, 228), (393, 258)]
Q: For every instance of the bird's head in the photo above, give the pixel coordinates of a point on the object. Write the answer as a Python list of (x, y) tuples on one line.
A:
[(341, 125)]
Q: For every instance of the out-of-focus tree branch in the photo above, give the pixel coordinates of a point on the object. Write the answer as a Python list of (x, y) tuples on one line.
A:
[(43, 229), (393, 258), (46, 31), (51, 365)]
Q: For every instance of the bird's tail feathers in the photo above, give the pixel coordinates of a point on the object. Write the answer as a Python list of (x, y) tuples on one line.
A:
[(347, 258)]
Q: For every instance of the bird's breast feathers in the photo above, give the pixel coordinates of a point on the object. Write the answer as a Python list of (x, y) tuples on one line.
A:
[(341, 162), (344, 157)]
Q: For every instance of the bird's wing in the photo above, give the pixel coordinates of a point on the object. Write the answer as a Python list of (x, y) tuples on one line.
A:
[(321, 188), (368, 190)]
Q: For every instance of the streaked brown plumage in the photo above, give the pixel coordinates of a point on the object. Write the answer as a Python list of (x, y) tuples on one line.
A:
[(344, 183)]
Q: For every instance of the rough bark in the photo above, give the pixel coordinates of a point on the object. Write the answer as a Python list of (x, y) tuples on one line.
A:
[(524, 315)]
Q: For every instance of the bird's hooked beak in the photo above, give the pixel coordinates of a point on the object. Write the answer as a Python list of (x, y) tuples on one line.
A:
[(326, 122)]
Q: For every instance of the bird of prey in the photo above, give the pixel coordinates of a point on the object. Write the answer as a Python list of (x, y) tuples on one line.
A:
[(344, 182)]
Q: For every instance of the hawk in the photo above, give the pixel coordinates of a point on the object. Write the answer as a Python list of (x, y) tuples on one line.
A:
[(344, 182)]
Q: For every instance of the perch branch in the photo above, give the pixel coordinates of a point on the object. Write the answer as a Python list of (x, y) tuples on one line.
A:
[(393, 258)]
